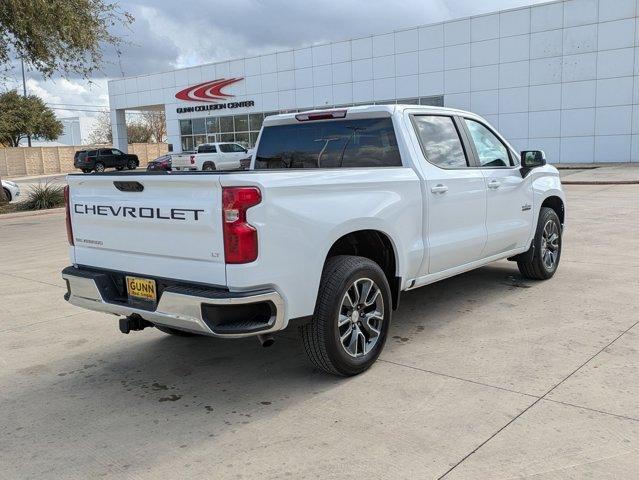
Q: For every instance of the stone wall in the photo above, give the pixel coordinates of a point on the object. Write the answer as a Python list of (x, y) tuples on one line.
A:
[(27, 161)]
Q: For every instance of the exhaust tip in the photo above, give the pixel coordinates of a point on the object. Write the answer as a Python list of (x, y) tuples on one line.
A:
[(266, 340)]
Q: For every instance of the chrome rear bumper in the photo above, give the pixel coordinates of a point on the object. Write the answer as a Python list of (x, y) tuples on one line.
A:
[(180, 308)]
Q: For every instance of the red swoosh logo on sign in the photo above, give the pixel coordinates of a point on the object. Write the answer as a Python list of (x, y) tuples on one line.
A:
[(207, 91)]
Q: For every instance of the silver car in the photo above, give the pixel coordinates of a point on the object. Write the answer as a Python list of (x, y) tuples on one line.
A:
[(11, 190)]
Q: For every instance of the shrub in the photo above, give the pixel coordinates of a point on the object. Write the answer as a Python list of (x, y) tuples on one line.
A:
[(43, 196)]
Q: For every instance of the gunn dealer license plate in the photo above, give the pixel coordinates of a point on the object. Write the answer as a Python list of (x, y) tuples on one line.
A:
[(141, 288)]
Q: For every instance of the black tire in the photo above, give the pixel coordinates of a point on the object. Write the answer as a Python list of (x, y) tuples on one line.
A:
[(7, 194), (119, 168), (99, 167), (173, 331), (208, 167), (132, 165), (320, 336), (537, 268)]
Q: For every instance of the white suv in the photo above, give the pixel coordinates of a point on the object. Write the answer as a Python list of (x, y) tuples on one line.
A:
[(214, 156)]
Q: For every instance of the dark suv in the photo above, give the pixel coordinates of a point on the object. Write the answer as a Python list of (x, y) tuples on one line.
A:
[(103, 158)]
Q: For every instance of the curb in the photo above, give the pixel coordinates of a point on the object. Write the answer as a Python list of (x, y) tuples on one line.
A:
[(36, 213), (600, 182)]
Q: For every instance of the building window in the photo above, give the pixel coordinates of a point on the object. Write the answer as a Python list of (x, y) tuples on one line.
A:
[(212, 125), (435, 101), (242, 137), (199, 126), (241, 123), (255, 121), (226, 124), (186, 127), (187, 143)]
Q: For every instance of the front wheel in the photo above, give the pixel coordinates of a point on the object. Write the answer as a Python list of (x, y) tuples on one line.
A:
[(547, 247), (352, 315), (99, 167)]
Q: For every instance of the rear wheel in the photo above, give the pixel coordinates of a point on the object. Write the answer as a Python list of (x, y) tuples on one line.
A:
[(352, 316), (7, 194), (99, 167), (547, 247), (208, 167), (132, 165), (173, 331)]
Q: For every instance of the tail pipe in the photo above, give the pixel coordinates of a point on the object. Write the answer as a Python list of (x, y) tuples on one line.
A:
[(266, 340)]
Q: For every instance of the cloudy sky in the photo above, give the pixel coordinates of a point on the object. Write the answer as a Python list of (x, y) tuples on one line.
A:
[(170, 34)]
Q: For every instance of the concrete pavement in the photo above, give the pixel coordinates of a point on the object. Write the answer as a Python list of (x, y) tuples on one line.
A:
[(485, 375)]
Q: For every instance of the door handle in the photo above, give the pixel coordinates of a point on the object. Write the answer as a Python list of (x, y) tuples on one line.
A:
[(439, 188), (494, 184)]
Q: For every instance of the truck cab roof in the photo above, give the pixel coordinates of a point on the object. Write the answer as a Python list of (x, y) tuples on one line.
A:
[(360, 111)]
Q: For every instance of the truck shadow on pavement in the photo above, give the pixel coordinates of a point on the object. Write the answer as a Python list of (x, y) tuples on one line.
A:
[(172, 392)]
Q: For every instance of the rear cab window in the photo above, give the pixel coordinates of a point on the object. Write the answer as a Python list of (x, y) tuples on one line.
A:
[(207, 149), (349, 143)]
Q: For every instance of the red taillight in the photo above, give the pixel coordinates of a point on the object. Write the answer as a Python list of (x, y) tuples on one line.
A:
[(67, 208), (326, 115), (240, 238), (192, 159)]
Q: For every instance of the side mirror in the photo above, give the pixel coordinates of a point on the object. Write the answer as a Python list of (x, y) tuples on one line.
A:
[(532, 159)]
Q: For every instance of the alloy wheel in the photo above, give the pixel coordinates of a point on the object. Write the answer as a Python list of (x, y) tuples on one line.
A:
[(360, 317), (550, 244)]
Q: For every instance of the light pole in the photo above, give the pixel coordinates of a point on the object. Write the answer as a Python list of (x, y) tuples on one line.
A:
[(24, 92)]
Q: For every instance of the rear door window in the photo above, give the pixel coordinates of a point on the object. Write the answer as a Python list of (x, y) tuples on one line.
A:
[(362, 143), (440, 141)]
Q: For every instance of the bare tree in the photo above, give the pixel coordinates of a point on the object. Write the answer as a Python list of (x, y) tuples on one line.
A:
[(156, 123), (101, 133)]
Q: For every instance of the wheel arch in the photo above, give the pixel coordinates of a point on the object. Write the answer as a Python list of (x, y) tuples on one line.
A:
[(209, 163), (375, 245), (557, 204)]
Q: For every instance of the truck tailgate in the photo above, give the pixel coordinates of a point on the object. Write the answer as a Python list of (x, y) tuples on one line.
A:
[(157, 225), (182, 161)]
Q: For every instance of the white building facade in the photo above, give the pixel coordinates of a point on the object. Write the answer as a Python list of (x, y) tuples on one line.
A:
[(562, 77)]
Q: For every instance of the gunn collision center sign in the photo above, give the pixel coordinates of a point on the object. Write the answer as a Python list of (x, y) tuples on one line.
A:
[(211, 93)]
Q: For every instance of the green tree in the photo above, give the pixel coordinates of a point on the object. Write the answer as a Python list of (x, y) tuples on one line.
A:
[(59, 36), (22, 116)]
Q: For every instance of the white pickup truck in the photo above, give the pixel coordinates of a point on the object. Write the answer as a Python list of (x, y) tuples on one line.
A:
[(341, 211), (213, 156)]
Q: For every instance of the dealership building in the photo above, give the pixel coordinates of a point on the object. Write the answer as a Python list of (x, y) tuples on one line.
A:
[(559, 76)]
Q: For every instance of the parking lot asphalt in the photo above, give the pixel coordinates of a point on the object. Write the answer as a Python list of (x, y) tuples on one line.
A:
[(485, 375)]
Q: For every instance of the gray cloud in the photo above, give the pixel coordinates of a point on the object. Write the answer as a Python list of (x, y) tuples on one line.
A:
[(169, 34)]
